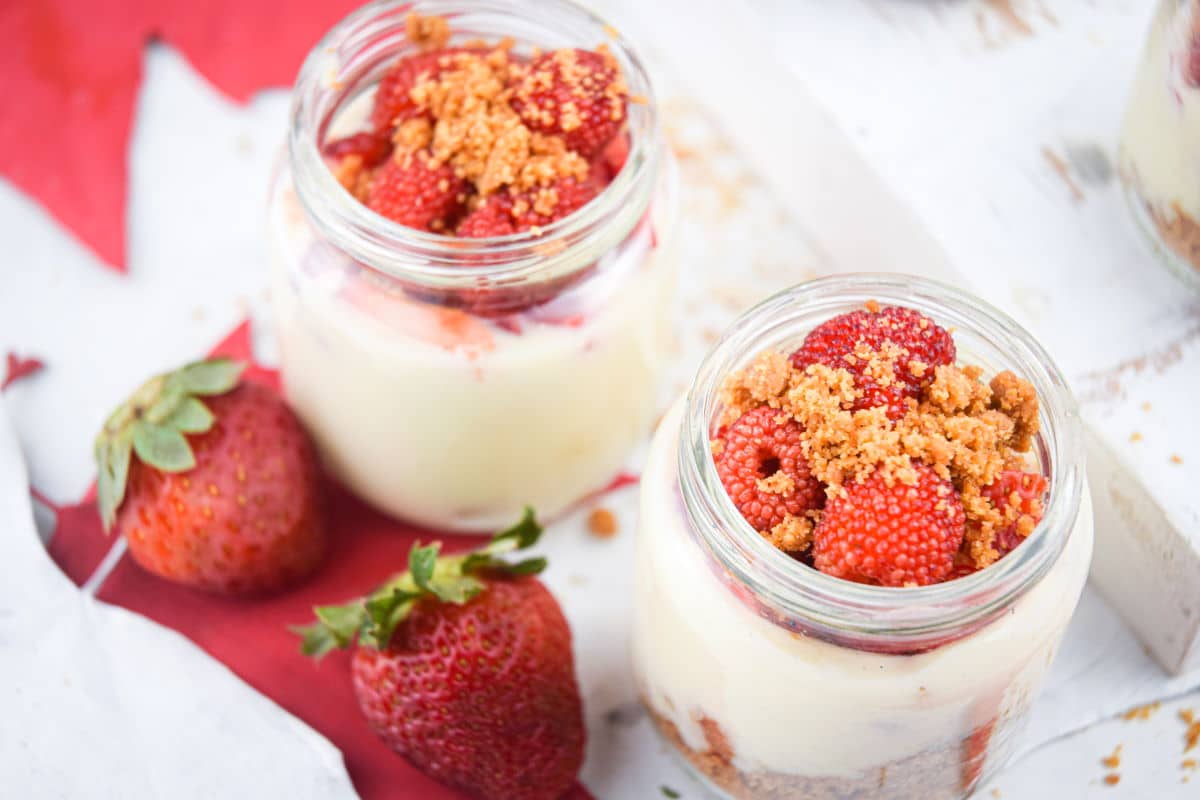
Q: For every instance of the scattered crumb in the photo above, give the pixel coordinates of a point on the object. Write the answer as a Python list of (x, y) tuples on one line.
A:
[(602, 523), (1113, 761), (1192, 736), (1141, 712), (995, 792), (198, 314), (1146, 406), (1135, 437), (1176, 458), (577, 580), (1189, 763), (1112, 779)]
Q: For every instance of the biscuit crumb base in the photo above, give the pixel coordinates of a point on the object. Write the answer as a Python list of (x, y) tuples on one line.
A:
[(932, 775), (968, 431)]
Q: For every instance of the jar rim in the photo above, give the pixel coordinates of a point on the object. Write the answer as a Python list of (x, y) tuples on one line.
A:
[(352, 55), (866, 616)]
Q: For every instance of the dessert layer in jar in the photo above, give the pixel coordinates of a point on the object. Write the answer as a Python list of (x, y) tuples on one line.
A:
[(1160, 142), (862, 535), (455, 401), (763, 711)]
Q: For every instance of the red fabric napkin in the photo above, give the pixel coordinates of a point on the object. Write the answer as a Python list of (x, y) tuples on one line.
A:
[(72, 69), (251, 636)]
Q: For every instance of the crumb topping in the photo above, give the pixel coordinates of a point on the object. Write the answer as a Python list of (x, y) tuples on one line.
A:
[(472, 125), (427, 32), (966, 430)]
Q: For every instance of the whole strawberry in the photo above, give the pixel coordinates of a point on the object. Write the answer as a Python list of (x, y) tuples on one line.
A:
[(220, 494), (464, 667)]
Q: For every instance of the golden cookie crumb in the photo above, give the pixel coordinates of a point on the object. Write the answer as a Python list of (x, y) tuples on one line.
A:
[(427, 32), (1112, 761), (602, 523), (793, 535), (1141, 712), (1112, 779), (1176, 459)]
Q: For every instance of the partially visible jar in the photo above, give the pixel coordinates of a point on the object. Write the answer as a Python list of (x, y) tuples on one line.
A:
[(453, 381), (1160, 143), (774, 680)]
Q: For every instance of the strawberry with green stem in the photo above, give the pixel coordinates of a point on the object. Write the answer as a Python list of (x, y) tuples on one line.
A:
[(464, 667), (212, 481)]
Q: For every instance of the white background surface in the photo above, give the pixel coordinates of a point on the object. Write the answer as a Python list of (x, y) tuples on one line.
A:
[(90, 691)]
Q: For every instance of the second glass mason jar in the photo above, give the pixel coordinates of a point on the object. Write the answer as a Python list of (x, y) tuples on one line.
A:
[(1160, 142), (452, 381), (774, 680)]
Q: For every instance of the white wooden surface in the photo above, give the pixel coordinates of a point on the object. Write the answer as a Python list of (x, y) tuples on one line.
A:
[(197, 265)]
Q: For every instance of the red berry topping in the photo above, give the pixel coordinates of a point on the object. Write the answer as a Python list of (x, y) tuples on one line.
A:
[(504, 213), (925, 344), (1018, 495), (756, 447), (891, 535), (372, 148), (576, 94), (393, 99), (414, 192)]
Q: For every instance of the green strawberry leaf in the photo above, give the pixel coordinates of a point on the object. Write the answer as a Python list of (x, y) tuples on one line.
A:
[(530, 566), (456, 589), (191, 416), (521, 535), (214, 376), (386, 610), (315, 640), (421, 563), (336, 626), (165, 404), (112, 457), (447, 579), (162, 448)]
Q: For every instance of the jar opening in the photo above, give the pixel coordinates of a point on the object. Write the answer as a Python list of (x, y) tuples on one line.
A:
[(351, 59), (858, 615)]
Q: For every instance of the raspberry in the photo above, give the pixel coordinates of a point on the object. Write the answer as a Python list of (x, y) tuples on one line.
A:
[(504, 213), (371, 147), (576, 94), (757, 446), (415, 193), (923, 341), (1019, 496), (393, 101), (891, 535)]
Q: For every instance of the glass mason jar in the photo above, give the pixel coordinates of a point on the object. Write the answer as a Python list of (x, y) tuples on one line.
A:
[(452, 381), (774, 680), (1160, 142)]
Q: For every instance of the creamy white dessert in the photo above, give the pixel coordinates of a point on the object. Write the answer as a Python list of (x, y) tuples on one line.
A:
[(768, 712), (455, 421), (1160, 143)]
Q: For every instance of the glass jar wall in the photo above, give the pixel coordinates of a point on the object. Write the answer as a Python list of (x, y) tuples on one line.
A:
[(452, 381)]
